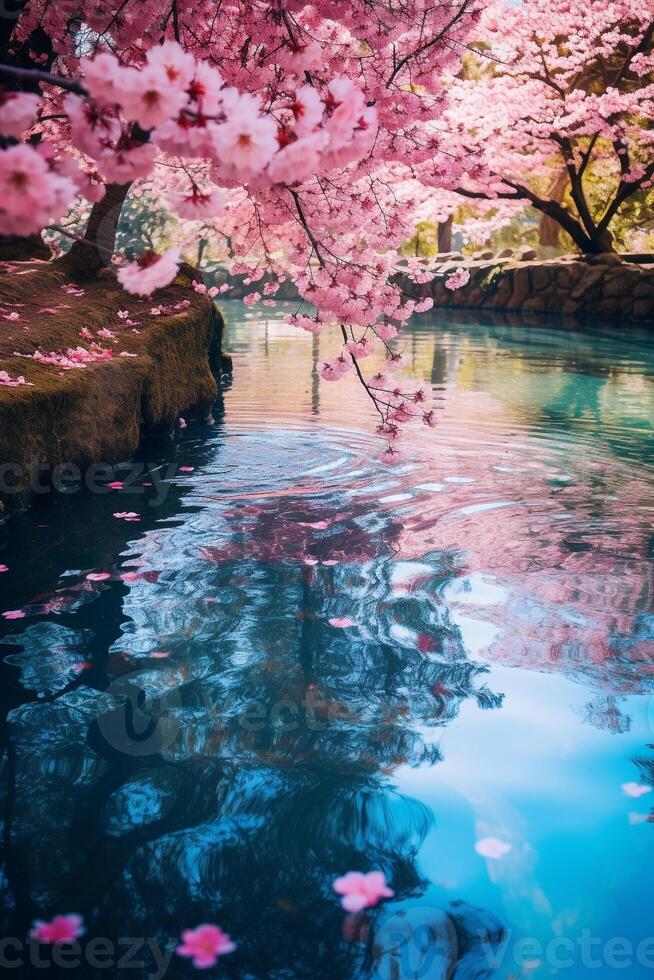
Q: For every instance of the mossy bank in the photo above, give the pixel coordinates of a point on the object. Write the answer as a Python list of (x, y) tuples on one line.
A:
[(165, 357)]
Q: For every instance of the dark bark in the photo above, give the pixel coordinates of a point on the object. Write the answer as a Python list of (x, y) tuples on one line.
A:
[(445, 235), (598, 242), (86, 258), (11, 11), (549, 230)]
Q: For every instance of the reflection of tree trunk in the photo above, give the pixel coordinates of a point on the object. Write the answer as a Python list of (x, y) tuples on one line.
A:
[(86, 258), (445, 235), (549, 230)]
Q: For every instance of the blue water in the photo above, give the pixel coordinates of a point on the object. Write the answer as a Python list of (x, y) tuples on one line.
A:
[(495, 682)]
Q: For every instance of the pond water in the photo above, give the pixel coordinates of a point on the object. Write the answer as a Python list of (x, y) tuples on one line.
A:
[(299, 662)]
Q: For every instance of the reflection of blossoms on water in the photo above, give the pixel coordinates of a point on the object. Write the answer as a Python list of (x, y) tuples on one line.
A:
[(279, 733), (303, 664)]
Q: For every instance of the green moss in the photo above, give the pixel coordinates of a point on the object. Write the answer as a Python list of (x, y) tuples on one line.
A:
[(97, 413)]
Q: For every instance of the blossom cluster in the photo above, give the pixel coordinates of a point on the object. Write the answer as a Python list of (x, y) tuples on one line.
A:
[(300, 134)]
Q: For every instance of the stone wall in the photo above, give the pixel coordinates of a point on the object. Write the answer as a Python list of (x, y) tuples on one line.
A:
[(603, 286)]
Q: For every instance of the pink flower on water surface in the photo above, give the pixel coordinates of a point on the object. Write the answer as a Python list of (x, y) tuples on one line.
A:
[(4, 568), (149, 272), (127, 515), (61, 929), (204, 944), (635, 790), (342, 622), (14, 614), (360, 891), (458, 279), (492, 847), (182, 423), (98, 576)]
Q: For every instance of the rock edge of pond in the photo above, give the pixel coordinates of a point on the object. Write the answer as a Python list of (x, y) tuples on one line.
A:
[(162, 364)]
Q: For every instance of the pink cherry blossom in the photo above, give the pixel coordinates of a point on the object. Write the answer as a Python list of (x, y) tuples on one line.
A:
[(635, 790), (360, 890), (457, 279), (149, 272), (61, 929), (101, 75), (31, 192), (204, 945), (492, 848), (248, 140), (198, 204), (177, 64), (297, 160), (308, 109), (182, 423), (17, 112)]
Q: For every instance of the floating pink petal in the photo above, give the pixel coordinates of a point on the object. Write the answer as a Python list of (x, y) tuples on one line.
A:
[(98, 576), (341, 622), (182, 423), (492, 847), (127, 515), (635, 790), (159, 655), (204, 945), (61, 929), (115, 485), (14, 614), (186, 469), (4, 568), (360, 891)]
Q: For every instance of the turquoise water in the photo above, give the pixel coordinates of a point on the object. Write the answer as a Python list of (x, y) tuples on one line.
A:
[(200, 743)]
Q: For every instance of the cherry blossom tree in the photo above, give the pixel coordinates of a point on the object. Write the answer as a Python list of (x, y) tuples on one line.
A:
[(296, 126), (568, 89)]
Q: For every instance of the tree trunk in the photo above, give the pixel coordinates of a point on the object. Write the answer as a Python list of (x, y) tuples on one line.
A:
[(85, 259), (445, 235), (549, 230)]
